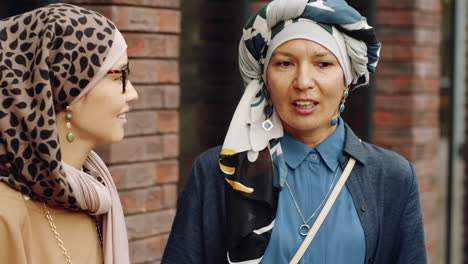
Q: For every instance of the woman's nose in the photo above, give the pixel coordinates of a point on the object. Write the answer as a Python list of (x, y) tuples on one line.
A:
[(130, 92), (304, 78)]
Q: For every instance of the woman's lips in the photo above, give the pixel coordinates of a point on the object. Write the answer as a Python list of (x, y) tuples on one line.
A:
[(123, 117), (305, 107)]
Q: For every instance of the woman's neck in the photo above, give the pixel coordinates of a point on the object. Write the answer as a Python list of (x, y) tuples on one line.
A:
[(75, 153), (311, 138)]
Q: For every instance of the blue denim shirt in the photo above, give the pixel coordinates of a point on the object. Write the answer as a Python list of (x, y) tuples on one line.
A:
[(312, 173), (383, 186)]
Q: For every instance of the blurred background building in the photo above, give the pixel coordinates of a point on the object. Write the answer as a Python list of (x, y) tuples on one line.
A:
[(183, 57)]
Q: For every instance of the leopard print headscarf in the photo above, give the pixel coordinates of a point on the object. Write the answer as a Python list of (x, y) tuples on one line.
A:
[(48, 58)]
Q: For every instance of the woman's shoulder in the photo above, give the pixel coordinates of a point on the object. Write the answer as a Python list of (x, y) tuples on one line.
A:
[(385, 156), (390, 165), (209, 155), (12, 203), (10, 196), (208, 160), (205, 172)]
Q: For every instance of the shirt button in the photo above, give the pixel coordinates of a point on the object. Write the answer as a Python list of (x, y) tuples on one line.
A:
[(313, 156), (364, 208)]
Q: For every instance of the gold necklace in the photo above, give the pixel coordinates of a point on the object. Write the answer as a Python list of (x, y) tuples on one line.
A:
[(49, 218)]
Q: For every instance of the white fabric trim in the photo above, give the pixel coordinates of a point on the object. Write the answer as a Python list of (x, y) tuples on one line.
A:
[(265, 229), (252, 261)]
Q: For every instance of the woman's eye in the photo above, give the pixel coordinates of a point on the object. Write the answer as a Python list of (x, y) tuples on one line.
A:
[(323, 65), (285, 63)]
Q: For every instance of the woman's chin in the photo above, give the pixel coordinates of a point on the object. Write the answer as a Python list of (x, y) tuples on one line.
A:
[(111, 139), (307, 127)]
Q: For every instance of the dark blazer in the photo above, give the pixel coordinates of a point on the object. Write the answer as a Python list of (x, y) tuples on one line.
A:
[(383, 186)]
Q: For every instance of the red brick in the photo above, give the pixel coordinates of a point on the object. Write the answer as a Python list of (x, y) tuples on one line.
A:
[(147, 250), (150, 96), (156, 199), (430, 37), (406, 104), (406, 147), (170, 192), (149, 224), (141, 19), (408, 135), (431, 216), (155, 71), (427, 68), (135, 175), (167, 171), (391, 69), (428, 5), (142, 200), (141, 123), (406, 85), (421, 69), (405, 17), (406, 53), (136, 149), (424, 37), (141, 45), (171, 145), (157, 97), (389, 119), (167, 121), (171, 96), (425, 169)]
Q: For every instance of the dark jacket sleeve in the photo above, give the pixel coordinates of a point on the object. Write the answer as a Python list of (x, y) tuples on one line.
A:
[(412, 246), (197, 235), (185, 241)]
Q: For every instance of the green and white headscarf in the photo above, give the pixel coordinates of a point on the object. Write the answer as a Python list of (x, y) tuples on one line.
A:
[(251, 158)]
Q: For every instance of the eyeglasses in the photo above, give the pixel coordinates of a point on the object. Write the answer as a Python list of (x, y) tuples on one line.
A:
[(125, 73)]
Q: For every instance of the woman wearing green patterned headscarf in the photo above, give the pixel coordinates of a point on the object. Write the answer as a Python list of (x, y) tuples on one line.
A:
[(292, 182)]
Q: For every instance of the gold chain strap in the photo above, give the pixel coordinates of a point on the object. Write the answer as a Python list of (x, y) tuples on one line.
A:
[(99, 230), (49, 218)]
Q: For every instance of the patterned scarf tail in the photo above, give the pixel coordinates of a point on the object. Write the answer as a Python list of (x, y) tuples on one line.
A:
[(251, 202)]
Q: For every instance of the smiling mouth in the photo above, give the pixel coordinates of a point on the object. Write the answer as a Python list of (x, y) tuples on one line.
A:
[(122, 116), (304, 104)]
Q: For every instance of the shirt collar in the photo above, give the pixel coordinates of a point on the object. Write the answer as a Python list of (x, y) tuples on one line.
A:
[(330, 149)]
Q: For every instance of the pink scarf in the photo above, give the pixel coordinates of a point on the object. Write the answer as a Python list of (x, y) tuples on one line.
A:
[(97, 199)]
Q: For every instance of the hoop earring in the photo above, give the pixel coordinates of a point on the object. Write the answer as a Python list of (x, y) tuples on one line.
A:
[(334, 121), (268, 111), (68, 117)]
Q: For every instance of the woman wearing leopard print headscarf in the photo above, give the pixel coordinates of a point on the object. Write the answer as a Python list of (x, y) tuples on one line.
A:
[(64, 89)]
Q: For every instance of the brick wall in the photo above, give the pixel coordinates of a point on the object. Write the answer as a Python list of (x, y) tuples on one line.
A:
[(407, 96), (145, 164)]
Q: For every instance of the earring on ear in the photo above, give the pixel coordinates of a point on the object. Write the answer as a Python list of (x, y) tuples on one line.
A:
[(68, 117), (268, 111), (342, 107)]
